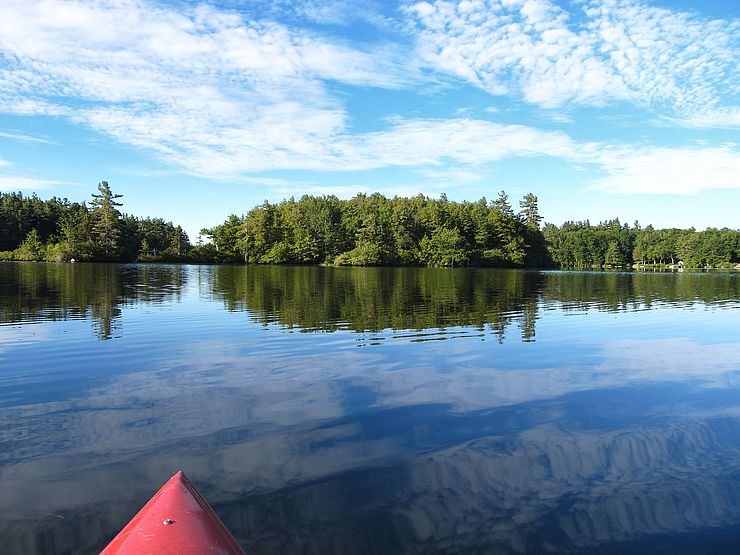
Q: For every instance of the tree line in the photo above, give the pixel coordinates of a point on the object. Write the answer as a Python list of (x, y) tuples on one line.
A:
[(58, 230), (617, 245), (372, 230), (366, 230)]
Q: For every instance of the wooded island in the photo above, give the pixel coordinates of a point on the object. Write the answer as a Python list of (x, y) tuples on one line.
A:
[(367, 230)]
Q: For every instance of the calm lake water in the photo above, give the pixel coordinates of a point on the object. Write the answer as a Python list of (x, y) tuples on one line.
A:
[(348, 410)]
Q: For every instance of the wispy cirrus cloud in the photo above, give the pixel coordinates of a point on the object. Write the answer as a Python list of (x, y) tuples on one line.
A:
[(335, 12), (20, 183), (430, 142), (726, 117), (453, 175), (205, 88), (218, 94), (349, 190), (609, 50), (23, 138), (668, 171), (626, 169)]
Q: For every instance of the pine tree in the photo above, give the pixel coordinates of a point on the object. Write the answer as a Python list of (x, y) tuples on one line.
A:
[(106, 217), (529, 214)]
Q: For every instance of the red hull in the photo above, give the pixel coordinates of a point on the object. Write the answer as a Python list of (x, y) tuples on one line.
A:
[(176, 520)]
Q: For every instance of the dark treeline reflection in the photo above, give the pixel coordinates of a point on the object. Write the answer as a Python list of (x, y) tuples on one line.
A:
[(314, 298), (629, 290), (38, 291), (374, 299)]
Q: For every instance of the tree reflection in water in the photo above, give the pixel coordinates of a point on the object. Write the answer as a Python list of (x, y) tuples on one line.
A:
[(583, 434)]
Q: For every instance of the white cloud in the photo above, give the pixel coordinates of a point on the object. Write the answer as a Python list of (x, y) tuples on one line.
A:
[(434, 183), (335, 12), (437, 146), (711, 118), (669, 171), (218, 95), (23, 138), (17, 183), (451, 176), (347, 191), (615, 50), (716, 363), (205, 89), (430, 142), (434, 144), (557, 117)]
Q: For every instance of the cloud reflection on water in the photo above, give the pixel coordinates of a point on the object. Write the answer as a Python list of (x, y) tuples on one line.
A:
[(598, 433), (481, 452)]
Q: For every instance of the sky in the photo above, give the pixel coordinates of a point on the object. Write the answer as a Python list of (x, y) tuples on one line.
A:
[(195, 110)]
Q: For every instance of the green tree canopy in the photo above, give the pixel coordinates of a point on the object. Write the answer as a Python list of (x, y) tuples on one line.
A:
[(106, 220)]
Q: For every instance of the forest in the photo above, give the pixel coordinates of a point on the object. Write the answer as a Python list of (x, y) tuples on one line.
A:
[(57, 230), (366, 230)]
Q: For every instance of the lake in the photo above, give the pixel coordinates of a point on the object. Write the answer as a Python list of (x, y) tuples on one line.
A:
[(373, 410)]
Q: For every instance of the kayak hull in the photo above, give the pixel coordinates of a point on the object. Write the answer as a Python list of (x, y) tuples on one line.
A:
[(177, 519)]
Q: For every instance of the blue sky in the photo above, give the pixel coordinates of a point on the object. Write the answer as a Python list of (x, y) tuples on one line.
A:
[(195, 110)]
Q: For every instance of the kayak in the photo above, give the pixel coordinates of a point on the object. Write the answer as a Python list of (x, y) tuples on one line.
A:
[(176, 520)]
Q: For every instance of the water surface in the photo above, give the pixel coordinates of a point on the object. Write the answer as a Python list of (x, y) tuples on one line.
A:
[(375, 410)]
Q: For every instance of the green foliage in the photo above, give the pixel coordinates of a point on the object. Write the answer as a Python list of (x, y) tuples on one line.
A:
[(581, 245), (153, 239), (106, 220), (31, 249), (610, 244), (20, 214), (712, 248), (227, 237), (279, 253), (529, 212), (203, 253), (364, 254), (372, 230), (446, 247), (63, 231), (76, 235), (58, 252), (367, 230)]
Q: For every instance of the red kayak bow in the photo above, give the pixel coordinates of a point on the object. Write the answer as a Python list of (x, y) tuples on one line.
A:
[(176, 520)]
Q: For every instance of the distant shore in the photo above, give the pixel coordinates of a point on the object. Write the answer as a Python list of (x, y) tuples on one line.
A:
[(366, 230)]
